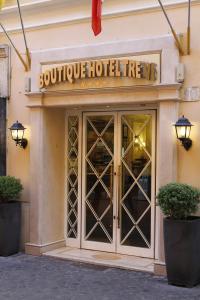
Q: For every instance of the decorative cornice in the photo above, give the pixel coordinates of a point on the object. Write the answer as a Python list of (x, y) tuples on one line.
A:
[(25, 6), (115, 13), (136, 88), (111, 96)]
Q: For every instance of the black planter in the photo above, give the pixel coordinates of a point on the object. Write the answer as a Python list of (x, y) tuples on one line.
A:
[(182, 251), (10, 227)]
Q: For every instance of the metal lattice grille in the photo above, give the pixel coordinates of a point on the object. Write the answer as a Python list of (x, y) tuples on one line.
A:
[(135, 198), (99, 179), (72, 177)]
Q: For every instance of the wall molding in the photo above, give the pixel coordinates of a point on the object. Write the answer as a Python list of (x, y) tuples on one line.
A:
[(85, 17), (39, 249), (25, 6)]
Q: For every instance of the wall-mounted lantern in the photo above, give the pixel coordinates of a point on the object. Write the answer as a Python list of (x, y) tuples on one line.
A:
[(183, 129), (17, 133)]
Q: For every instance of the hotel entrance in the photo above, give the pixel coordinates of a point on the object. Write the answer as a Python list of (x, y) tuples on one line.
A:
[(115, 109), (114, 206)]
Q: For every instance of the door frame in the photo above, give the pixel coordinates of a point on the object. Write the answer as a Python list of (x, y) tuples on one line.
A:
[(91, 244), (130, 250), (117, 111)]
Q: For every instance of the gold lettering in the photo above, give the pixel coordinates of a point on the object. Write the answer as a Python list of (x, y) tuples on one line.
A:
[(105, 65), (154, 73), (64, 75), (53, 75), (70, 73), (99, 68), (138, 69), (117, 70), (41, 83), (91, 69), (125, 67), (59, 70), (77, 70), (47, 78), (146, 70), (131, 69), (112, 68), (83, 69)]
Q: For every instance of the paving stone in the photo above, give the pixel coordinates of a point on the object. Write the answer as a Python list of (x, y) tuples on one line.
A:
[(24, 277)]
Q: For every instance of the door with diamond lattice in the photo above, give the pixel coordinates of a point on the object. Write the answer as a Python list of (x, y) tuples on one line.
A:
[(118, 185), (99, 181), (136, 183)]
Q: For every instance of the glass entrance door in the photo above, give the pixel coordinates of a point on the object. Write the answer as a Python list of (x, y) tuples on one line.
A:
[(99, 207), (118, 182), (136, 186)]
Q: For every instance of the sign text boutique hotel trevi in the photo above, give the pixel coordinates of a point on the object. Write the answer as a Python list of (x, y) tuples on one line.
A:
[(117, 68)]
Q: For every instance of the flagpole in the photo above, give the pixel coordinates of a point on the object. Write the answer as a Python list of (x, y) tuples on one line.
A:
[(17, 52), (189, 28), (25, 41), (172, 29)]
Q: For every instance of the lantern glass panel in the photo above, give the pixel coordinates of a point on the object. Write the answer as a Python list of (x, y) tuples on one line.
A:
[(188, 129), (183, 132), (17, 135)]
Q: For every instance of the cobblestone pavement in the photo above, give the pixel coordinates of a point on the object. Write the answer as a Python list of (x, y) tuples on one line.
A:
[(42, 278)]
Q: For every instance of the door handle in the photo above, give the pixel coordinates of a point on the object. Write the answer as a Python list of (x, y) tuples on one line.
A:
[(119, 195), (111, 183)]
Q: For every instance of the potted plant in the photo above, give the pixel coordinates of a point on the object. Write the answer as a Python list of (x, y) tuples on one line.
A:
[(10, 215), (181, 233)]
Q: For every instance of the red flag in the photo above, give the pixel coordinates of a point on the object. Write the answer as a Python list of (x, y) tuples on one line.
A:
[(96, 16)]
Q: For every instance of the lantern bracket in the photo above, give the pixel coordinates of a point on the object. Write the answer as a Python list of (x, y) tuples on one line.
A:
[(187, 143), (23, 143)]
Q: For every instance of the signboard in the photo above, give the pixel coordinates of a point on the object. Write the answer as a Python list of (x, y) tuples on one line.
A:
[(113, 72)]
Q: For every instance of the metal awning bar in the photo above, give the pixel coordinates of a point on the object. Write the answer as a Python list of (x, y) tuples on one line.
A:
[(17, 52), (178, 44), (189, 28), (24, 35)]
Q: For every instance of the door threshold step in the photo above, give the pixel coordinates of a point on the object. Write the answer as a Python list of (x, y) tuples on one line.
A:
[(106, 259)]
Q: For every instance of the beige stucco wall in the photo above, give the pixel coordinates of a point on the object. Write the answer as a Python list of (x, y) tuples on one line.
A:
[(115, 28), (47, 175)]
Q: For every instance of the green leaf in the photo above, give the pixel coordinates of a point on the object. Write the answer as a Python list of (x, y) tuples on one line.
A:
[(10, 188), (178, 200)]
